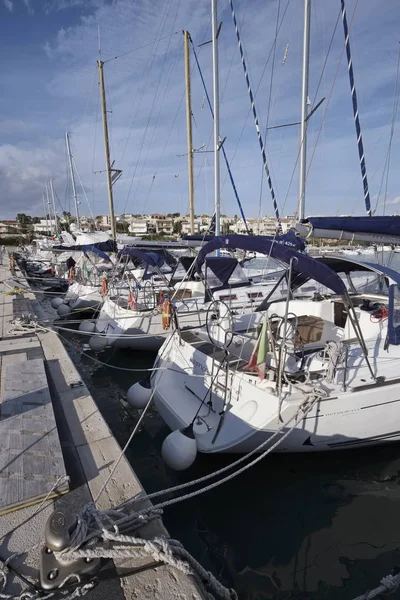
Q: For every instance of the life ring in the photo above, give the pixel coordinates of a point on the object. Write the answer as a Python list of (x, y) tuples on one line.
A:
[(104, 285), (166, 314), (71, 275)]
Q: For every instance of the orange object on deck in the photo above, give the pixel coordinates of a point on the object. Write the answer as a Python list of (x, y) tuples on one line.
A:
[(166, 313)]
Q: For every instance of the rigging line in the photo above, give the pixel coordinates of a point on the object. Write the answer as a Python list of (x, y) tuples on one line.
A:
[(133, 168), (394, 117), (153, 103), (233, 55), (162, 96), (260, 140), (84, 191), (143, 80), (329, 98), (222, 147), (257, 88), (269, 101), (355, 110), (140, 47), (313, 104), (165, 145)]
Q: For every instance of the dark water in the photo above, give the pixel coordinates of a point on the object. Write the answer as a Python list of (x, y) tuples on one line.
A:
[(320, 526), (317, 526)]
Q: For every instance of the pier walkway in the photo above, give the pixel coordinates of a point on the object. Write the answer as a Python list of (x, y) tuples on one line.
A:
[(56, 451)]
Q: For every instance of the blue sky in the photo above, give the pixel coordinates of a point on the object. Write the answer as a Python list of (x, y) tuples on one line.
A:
[(49, 85)]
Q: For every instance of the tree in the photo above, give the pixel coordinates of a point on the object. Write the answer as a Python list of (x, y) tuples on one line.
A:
[(36, 220), (24, 221), (177, 227), (122, 227)]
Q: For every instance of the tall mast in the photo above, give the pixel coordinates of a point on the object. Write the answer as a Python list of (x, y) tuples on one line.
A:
[(186, 37), (54, 207), (214, 23), (45, 212), (71, 168), (107, 149), (49, 208), (304, 106)]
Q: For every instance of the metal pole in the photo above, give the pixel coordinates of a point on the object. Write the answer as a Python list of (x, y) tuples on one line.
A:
[(49, 208), (107, 149), (54, 207), (71, 168), (45, 212), (304, 105), (214, 22), (186, 37)]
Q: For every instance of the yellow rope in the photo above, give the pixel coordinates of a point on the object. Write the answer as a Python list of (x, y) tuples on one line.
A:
[(15, 290)]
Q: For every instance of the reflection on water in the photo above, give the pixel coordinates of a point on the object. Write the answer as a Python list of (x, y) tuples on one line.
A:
[(316, 526), (320, 526)]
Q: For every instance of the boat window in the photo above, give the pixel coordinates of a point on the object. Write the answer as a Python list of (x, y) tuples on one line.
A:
[(368, 282), (226, 297), (252, 295)]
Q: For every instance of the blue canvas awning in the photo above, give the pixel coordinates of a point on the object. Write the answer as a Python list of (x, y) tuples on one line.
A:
[(108, 246), (301, 262), (222, 267), (149, 258)]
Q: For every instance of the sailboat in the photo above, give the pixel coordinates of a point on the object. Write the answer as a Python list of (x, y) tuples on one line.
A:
[(298, 374)]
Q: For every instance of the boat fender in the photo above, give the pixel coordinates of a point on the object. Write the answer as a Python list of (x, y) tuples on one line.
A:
[(63, 310), (139, 394), (87, 326), (179, 449), (98, 343), (56, 302)]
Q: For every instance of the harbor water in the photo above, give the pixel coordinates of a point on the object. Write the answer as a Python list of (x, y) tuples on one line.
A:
[(318, 526)]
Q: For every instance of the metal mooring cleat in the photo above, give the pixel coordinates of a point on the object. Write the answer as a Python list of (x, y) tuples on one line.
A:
[(57, 536)]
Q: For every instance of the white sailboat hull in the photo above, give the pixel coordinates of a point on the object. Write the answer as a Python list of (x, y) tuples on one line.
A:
[(83, 297)]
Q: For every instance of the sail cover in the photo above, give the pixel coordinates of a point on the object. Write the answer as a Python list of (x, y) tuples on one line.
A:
[(301, 262), (149, 258), (381, 225)]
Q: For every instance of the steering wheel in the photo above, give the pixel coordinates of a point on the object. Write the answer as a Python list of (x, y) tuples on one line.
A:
[(219, 320)]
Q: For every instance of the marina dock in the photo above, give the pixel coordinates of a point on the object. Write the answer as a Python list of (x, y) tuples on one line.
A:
[(56, 453)]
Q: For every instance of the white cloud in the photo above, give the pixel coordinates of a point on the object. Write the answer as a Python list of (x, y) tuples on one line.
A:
[(59, 5), (147, 119), (9, 5), (28, 6)]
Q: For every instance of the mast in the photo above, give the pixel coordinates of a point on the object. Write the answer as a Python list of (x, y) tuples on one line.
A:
[(304, 105), (49, 208), (45, 212), (54, 207), (216, 116), (107, 149), (71, 168), (186, 37)]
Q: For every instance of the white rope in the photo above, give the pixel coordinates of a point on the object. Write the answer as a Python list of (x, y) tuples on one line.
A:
[(388, 585), (333, 353), (92, 528), (27, 594)]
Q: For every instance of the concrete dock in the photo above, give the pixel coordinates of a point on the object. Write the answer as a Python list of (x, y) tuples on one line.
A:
[(36, 368)]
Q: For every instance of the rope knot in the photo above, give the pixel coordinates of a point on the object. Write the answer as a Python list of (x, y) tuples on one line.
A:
[(390, 582)]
